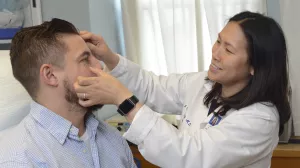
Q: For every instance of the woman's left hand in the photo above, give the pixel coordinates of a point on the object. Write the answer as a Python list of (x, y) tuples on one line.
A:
[(103, 89)]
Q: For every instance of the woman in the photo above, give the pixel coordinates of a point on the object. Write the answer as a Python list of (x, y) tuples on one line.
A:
[(232, 115)]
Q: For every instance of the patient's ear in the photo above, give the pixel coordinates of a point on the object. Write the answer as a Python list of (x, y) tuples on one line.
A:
[(48, 76)]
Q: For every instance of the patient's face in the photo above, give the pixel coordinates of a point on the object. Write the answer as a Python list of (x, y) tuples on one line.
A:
[(71, 97), (78, 59)]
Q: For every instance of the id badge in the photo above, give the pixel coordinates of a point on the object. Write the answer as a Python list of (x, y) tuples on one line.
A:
[(215, 119)]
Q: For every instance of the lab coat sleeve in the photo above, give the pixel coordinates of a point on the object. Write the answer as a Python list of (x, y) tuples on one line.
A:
[(162, 94), (243, 137)]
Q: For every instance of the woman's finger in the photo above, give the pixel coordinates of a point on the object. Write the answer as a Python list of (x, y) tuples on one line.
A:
[(91, 46), (86, 103), (97, 71), (94, 49), (85, 35), (83, 96), (83, 32), (81, 89), (88, 36), (86, 81)]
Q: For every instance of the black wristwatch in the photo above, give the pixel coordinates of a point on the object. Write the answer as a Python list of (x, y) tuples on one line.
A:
[(127, 105)]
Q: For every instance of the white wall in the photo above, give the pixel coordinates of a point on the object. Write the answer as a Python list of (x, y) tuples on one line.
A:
[(98, 16), (74, 11), (285, 12), (291, 26), (273, 10), (104, 21)]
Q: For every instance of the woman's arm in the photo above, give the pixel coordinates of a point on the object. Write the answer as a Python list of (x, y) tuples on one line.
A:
[(241, 139), (163, 94)]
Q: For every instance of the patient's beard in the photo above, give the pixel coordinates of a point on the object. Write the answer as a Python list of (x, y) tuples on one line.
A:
[(72, 98)]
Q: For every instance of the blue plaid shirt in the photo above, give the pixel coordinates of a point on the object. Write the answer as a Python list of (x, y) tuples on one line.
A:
[(44, 139)]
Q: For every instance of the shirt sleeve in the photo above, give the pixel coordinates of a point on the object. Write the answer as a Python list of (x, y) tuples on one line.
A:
[(12, 164), (241, 139)]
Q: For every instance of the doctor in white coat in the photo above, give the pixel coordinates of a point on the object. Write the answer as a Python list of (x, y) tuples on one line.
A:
[(231, 116)]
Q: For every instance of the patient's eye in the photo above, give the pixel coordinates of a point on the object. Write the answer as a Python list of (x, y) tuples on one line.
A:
[(229, 51), (86, 59)]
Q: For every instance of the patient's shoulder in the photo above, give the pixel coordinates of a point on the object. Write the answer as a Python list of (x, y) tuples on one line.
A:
[(111, 133), (106, 129)]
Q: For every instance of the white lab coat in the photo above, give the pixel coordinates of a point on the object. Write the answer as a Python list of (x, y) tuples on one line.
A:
[(243, 138)]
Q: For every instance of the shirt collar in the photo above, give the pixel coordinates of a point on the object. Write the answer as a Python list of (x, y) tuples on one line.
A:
[(91, 124), (59, 127), (208, 85)]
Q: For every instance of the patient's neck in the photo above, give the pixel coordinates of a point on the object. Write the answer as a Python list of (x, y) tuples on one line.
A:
[(71, 112)]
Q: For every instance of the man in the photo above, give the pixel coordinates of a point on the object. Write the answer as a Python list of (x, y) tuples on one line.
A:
[(58, 132)]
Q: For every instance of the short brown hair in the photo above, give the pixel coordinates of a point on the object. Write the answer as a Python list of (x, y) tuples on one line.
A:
[(34, 46)]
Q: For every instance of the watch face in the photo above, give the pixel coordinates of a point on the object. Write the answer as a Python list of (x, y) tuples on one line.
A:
[(126, 106)]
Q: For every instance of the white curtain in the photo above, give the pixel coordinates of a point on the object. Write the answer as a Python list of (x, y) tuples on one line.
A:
[(160, 35), (218, 12), (289, 9), (176, 36)]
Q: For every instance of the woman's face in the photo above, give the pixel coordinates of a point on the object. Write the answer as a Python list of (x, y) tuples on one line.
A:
[(229, 65)]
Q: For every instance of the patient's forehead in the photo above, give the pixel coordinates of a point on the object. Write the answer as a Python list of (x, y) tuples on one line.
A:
[(75, 46)]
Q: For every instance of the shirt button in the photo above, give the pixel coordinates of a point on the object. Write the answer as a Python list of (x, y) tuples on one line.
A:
[(84, 151)]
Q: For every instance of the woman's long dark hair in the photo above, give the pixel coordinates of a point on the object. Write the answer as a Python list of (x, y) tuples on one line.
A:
[(268, 56)]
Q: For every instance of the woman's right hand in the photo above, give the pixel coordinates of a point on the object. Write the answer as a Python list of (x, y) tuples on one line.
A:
[(100, 49), (102, 89)]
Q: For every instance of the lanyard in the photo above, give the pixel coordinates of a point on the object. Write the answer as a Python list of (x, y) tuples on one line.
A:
[(214, 107), (218, 110), (216, 117)]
